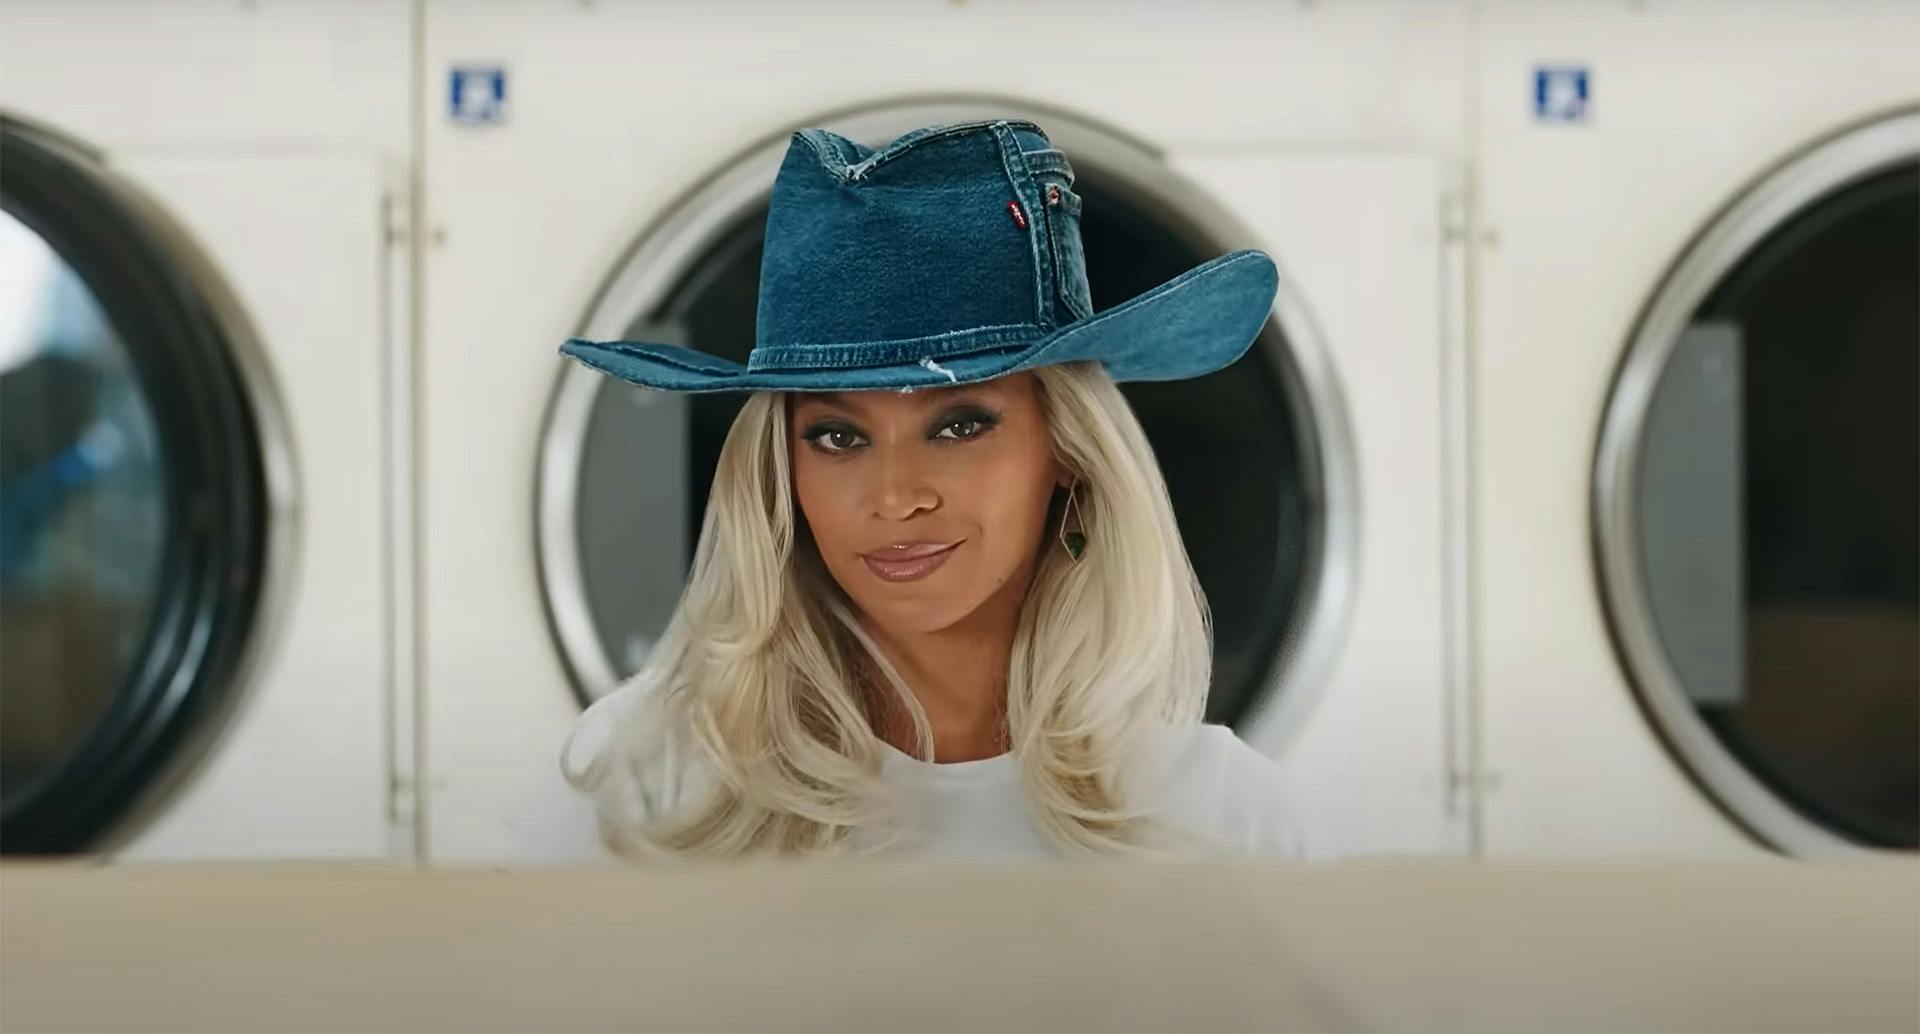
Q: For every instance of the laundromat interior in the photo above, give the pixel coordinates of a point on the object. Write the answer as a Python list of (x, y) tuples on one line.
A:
[(1565, 511), (1558, 544)]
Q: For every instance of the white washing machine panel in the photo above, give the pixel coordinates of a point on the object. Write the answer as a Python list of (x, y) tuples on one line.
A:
[(305, 770), (1628, 641), (1756, 520), (266, 147), (598, 188)]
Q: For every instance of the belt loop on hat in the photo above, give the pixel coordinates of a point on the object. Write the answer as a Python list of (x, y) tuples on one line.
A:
[(1049, 159)]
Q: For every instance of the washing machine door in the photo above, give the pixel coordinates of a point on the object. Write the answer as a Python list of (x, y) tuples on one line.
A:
[(1243, 450), (133, 499), (1757, 499)]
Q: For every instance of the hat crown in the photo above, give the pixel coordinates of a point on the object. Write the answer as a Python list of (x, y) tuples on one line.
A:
[(948, 240)]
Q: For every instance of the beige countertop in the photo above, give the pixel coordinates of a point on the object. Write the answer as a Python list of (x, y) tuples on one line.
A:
[(1402, 944)]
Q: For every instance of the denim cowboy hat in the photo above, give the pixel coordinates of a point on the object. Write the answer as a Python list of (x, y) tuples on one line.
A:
[(949, 255)]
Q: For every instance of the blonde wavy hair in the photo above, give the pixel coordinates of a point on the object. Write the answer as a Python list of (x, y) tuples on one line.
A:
[(755, 675)]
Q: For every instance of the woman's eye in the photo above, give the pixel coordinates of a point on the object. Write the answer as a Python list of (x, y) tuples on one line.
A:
[(836, 440), (976, 425), (823, 435)]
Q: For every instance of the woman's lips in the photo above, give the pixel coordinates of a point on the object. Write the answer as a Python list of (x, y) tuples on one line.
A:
[(910, 569)]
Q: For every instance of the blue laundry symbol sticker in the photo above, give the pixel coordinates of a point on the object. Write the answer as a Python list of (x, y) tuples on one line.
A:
[(1560, 93), (477, 94)]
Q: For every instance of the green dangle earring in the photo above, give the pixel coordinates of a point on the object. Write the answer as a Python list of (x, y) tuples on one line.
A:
[(1075, 540)]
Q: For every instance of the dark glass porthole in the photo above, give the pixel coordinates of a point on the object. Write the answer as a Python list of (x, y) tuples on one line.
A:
[(132, 501), (1760, 500)]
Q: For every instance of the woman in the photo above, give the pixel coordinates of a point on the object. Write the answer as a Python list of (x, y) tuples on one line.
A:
[(939, 602)]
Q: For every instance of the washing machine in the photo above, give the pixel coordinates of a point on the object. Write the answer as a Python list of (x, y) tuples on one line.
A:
[(604, 171), (195, 657), (1695, 432)]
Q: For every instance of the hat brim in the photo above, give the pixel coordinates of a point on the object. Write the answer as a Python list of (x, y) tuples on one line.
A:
[(1194, 324)]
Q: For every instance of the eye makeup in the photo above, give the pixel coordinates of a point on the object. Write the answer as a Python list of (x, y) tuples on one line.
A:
[(983, 418), (967, 413)]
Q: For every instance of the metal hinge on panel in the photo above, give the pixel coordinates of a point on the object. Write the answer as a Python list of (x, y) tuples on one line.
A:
[(1468, 783), (394, 216), (397, 282), (1453, 216)]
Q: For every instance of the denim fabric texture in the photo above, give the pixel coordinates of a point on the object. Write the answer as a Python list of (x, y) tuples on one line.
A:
[(949, 255)]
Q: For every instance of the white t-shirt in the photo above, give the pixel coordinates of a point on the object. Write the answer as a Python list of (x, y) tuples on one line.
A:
[(1202, 778)]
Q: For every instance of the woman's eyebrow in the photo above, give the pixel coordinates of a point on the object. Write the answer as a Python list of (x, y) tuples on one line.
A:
[(823, 400), (831, 398)]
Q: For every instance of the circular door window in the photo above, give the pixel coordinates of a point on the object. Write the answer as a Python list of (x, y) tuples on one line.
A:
[(1244, 451), (1757, 519), (132, 501)]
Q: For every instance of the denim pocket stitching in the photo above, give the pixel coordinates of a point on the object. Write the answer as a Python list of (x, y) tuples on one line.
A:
[(1063, 219), (900, 145), (835, 164), (1029, 196)]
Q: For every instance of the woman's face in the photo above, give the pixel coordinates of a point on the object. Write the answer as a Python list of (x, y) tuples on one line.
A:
[(968, 467)]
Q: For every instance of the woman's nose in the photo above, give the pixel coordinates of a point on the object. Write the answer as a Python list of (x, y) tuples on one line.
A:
[(901, 485)]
